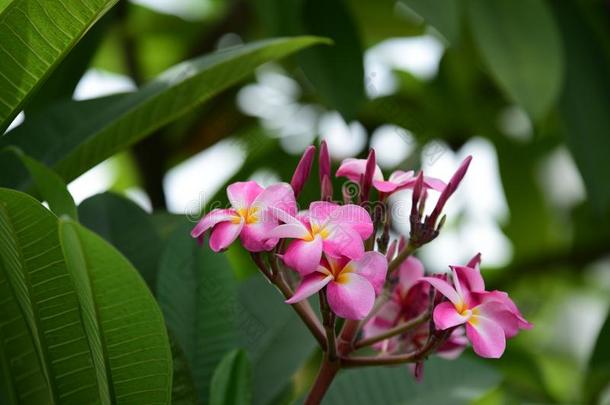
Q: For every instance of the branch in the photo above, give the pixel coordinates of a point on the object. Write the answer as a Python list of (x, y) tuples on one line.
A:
[(397, 330), (433, 343), (303, 309)]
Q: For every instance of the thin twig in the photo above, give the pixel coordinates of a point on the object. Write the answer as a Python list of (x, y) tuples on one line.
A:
[(303, 309), (433, 343), (397, 330)]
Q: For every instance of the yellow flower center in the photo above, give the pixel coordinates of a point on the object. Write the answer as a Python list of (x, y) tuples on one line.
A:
[(316, 229), (249, 215)]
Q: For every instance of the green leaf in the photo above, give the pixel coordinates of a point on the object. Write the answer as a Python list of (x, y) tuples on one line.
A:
[(128, 228), (45, 351), (125, 327), (50, 186), (197, 293), (183, 386), (445, 382), (75, 136), (276, 340), (584, 101), (520, 45), (34, 37), (336, 72), (444, 15), (232, 380), (598, 373)]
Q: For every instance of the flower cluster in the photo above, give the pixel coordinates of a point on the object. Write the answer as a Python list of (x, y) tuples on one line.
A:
[(361, 271)]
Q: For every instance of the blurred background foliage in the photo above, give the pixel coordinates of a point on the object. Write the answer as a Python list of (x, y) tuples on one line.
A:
[(523, 85)]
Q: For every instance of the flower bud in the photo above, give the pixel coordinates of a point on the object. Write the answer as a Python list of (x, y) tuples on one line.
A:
[(301, 173)]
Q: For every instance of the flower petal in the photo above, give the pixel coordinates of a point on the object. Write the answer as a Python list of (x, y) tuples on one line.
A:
[(243, 193), (445, 316), (343, 241), (353, 216), (304, 256), (224, 234), (385, 186), (499, 313), (351, 296), (319, 211), (409, 273), (373, 266), (434, 183), (212, 218), (444, 288), (470, 279), (311, 284), (354, 168), (256, 237), (294, 231), (277, 196), (486, 336)]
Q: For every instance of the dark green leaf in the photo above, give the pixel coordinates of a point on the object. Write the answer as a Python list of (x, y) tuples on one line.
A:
[(445, 382), (585, 100), (336, 72), (34, 37), (45, 349), (124, 325), (598, 375), (128, 227), (75, 136), (276, 340), (520, 45), (183, 386), (444, 15), (232, 380), (50, 186), (197, 293)]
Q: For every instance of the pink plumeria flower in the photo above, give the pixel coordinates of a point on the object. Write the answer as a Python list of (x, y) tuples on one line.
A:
[(488, 317), (327, 227), (354, 169), (351, 285), (250, 216)]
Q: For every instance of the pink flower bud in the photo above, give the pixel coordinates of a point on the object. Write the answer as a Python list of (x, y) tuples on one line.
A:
[(324, 161), (449, 190), (369, 172), (301, 173)]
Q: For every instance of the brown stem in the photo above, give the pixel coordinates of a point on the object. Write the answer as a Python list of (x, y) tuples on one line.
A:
[(413, 357), (347, 335), (328, 319), (303, 309), (326, 375), (397, 330)]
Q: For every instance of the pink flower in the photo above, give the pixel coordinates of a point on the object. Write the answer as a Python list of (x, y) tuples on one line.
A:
[(490, 317), (326, 227), (354, 169), (250, 216), (351, 285)]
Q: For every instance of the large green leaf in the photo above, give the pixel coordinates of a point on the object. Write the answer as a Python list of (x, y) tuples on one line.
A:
[(276, 340), (45, 350), (520, 44), (231, 383), (128, 227), (445, 382), (444, 15), (34, 37), (125, 327), (197, 293), (74, 136), (183, 386), (598, 375), (585, 100), (337, 72), (50, 186)]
